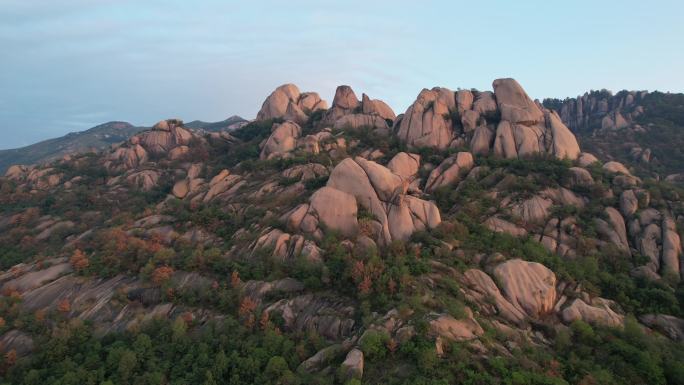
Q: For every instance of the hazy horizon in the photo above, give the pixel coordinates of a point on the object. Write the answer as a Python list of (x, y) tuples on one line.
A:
[(74, 64)]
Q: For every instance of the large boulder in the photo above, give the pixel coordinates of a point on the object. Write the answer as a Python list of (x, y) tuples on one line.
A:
[(629, 203), (533, 210), (616, 168), (383, 193), (482, 289), (585, 159), (482, 141), (596, 315), (282, 141), (450, 171), (672, 248), (352, 366), (164, 137), (427, 121), (617, 232), (529, 286), (335, 209), (376, 107), (344, 103), (405, 164), (288, 103), (564, 143), (514, 104), (359, 121)]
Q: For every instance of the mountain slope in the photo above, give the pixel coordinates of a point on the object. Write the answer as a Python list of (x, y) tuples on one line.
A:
[(468, 240), (93, 139)]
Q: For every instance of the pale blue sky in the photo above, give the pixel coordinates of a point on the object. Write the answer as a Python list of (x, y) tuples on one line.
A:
[(68, 65)]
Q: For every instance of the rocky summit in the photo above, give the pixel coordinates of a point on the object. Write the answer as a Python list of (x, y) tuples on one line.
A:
[(468, 238)]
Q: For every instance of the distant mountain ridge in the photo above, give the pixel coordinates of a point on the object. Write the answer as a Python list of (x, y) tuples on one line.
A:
[(232, 123), (96, 138)]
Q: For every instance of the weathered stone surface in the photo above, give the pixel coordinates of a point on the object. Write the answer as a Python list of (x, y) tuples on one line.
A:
[(484, 103), (223, 182), (464, 101), (358, 121), (16, 172), (482, 141), (618, 224), (529, 286), (648, 242), (128, 157), (426, 122), (585, 159), (287, 102), (352, 366), (484, 291), (37, 278), (450, 171), (335, 209), (580, 177), (448, 327), (500, 225), (404, 164), (564, 143), (344, 103), (283, 139), (180, 189), (533, 210), (179, 152), (595, 315), (331, 318), (616, 168), (376, 107), (672, 248), (383, 193), (629, 203), (164, 137), (305, 172), (672, 327), (515, 105)]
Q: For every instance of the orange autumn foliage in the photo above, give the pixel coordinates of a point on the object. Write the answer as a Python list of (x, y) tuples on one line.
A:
[(64, 306), (79, 260), (247, 306), (235, 279), (161, 274)]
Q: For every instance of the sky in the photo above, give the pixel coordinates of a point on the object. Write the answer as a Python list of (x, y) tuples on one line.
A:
[(68, 65)]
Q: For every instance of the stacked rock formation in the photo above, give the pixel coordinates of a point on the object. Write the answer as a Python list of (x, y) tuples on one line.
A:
[(288, 103), (393, 214), (506, 123)]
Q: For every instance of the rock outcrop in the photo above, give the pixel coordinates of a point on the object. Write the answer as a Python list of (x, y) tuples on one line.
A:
[(282, 141), (348, 113), (507, 123), (427, 122), (529, 286), (450, 171), (286, 102), (393, 213)]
